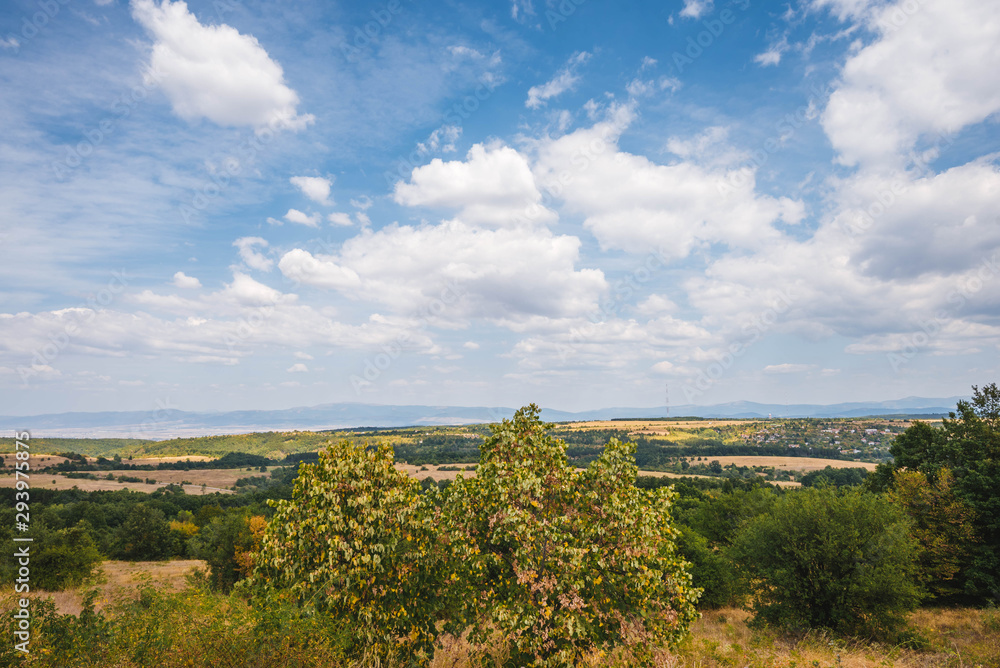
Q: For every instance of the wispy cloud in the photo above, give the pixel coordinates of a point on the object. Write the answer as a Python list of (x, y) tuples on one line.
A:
[(564, 80)]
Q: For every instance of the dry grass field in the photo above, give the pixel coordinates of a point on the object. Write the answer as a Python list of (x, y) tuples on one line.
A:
[(650, 427), (140, 461), (215, 480), (962, 638), (953, 638), (434, 473), (37, 461), (118, 580), (788, 463)]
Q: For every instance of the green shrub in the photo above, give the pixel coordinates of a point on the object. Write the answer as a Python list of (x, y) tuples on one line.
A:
[(63, 558), (144, 536), (843, 477), (221, 543), (840, 561), (711, 570)]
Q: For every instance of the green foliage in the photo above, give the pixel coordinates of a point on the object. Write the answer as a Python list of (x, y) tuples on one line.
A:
[(357, 542), (60, 557), (967, 445), (941, 526), (190, 629), (144, 536), (64, 559), (711, 570), (843, 561), (835, 477), (221, 543), (718, 517), (558, 561), (439, 449)]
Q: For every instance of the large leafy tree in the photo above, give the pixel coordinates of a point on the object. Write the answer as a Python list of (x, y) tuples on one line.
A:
[(941, 526), (144, 535), (561, 562), (844, 561), (968, 446), (357, 543)]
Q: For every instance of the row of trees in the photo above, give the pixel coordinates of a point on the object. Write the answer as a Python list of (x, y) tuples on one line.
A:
[(939, 495), (73, 531)]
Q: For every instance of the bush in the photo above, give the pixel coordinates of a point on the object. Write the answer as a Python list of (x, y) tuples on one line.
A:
[(222, 543), (63, 558), (711, 570), (144, 536), (826, 560), (562, 562)]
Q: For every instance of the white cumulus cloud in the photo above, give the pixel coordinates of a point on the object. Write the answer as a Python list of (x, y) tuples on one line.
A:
[(301, 218), (214, 71), (880, 110), (182, 280), (250, 256), (315, 188), (492, 186)]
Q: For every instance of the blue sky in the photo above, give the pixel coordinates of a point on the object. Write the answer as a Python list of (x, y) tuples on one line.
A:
[(234, 204)]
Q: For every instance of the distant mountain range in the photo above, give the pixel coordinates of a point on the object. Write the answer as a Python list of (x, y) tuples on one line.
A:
[(173, 423)]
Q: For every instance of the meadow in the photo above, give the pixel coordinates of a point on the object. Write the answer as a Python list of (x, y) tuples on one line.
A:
[(720, 638)]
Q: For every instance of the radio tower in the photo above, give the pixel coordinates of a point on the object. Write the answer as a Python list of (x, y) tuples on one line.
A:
[(667, 392)]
